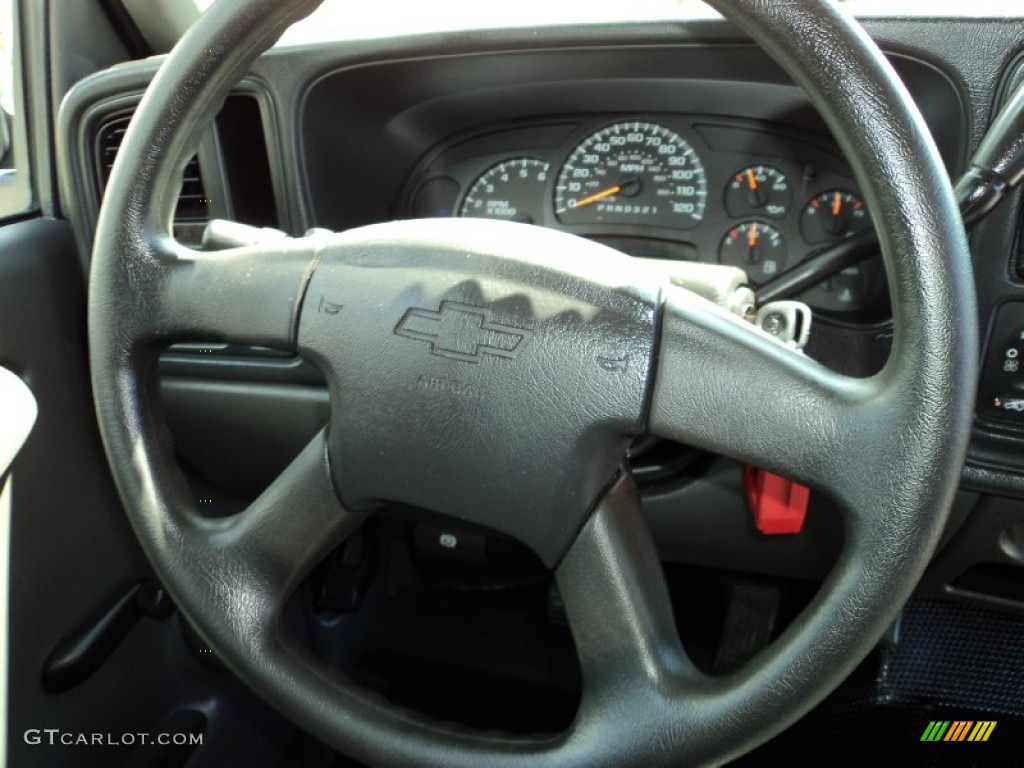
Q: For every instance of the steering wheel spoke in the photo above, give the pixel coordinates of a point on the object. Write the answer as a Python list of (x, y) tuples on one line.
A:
[(728, 387), (618, 605), (295, 522), (263, 552), (246, 295)]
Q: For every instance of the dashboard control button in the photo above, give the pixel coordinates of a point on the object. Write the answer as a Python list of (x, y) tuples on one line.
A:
[(1008, 404), (1001, 390)]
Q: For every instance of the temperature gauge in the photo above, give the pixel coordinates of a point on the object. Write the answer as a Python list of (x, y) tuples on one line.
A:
[(755, 247), (758, 190), (833, 215)]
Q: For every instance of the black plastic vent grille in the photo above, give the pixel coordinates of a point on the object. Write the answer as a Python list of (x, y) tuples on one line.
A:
[(193, 204)]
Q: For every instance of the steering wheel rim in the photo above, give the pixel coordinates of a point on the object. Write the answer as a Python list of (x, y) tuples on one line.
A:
[(643, 701)]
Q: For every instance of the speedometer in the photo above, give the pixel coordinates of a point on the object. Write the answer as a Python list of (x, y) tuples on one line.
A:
[(632, 173)]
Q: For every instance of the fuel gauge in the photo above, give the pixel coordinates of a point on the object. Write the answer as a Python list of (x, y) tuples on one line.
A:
[(755, 247)]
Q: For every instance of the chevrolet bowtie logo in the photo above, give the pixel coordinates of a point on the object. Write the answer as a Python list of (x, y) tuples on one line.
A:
[(462, 332)]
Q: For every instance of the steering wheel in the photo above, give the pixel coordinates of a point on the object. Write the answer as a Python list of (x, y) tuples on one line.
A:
[(497, 372)]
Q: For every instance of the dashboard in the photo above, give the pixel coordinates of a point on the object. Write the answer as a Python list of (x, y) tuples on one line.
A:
[(665, 186), (663, 142)]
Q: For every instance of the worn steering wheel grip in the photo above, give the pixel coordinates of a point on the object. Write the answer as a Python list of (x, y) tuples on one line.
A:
[(889, 449)]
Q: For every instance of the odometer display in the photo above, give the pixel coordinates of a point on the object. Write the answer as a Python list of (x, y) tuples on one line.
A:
[(632, 173)]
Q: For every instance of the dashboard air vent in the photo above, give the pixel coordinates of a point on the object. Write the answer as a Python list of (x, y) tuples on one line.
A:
[(192, 203)]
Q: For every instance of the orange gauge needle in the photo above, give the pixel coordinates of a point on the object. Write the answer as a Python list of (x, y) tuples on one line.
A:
[(751, 180), (837, 204), (752, 236), (598, 196)]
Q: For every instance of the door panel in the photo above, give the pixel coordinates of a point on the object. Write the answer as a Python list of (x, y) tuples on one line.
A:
[(17, 415), (74, 557)]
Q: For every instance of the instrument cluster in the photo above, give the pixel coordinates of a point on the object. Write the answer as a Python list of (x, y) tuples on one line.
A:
[(741, 193)]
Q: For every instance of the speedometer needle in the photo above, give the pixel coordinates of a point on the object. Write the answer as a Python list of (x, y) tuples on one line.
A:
[(598, 196)]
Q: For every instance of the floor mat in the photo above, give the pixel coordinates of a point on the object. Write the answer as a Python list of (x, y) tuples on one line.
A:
[(952, 663)]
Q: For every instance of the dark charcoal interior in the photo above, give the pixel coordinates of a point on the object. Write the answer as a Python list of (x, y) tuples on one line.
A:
[(342, 135)]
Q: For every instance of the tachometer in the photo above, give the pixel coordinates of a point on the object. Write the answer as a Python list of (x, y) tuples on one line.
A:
[(632, 173), (512, 190)]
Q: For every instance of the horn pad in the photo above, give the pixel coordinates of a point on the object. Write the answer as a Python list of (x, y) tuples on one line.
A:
[(490, 371)]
